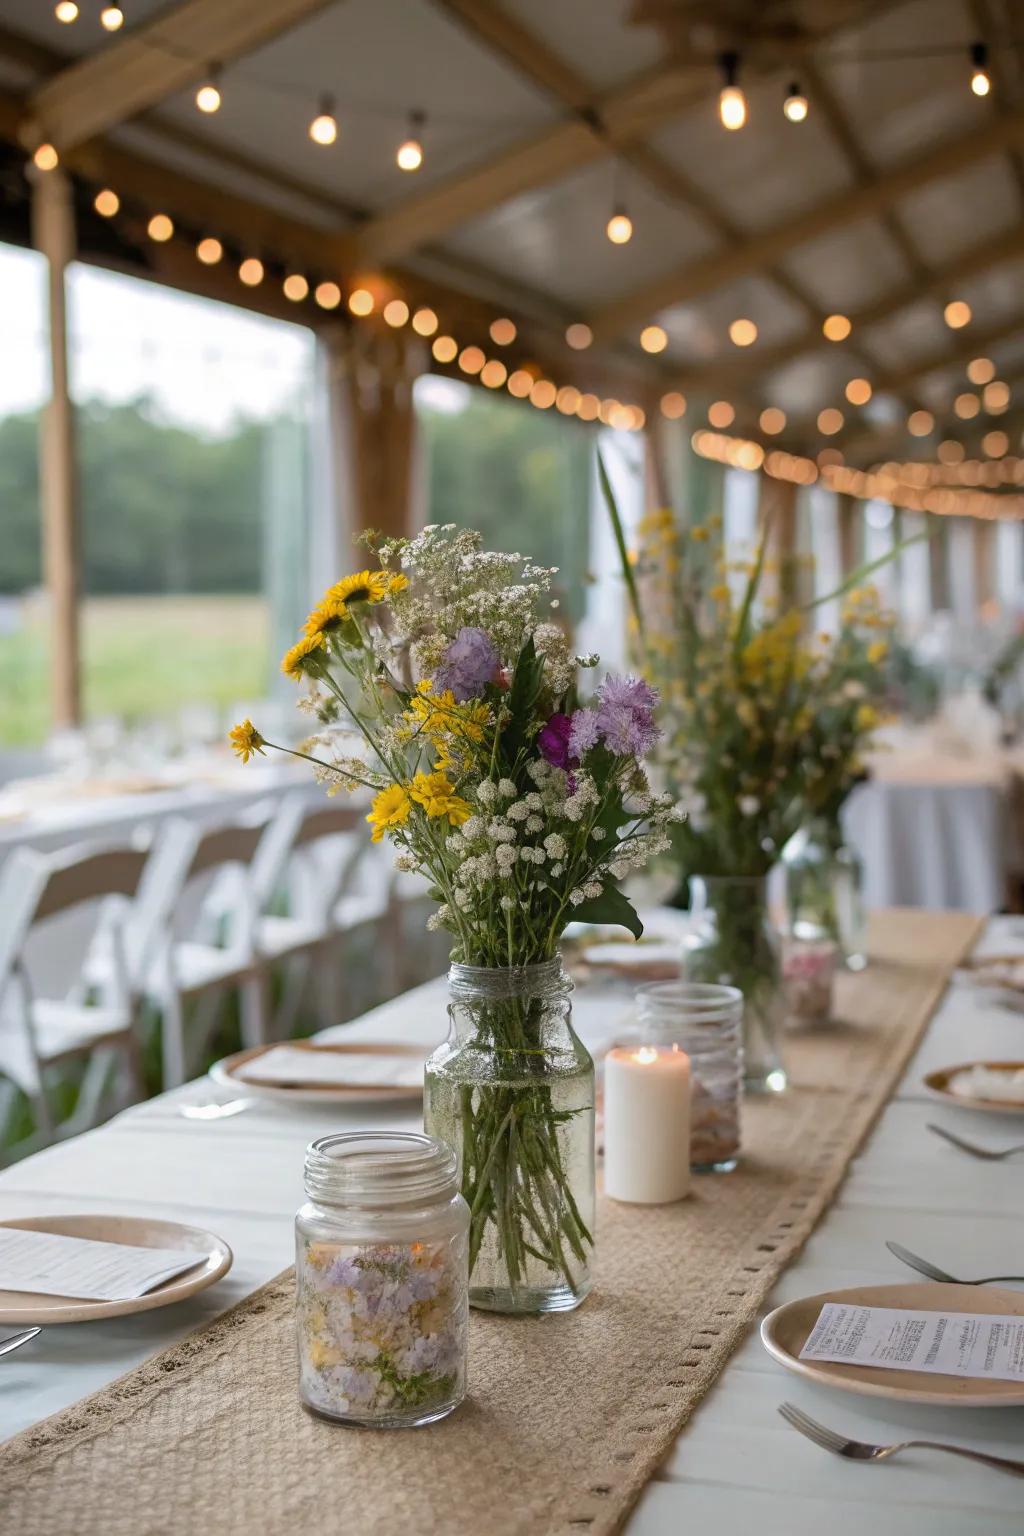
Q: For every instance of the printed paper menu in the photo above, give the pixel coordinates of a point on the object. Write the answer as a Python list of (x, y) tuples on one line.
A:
[(50, 1264), (974, 1344)]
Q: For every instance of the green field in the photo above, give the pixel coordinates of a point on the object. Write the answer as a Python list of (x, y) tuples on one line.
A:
[(143, 657)]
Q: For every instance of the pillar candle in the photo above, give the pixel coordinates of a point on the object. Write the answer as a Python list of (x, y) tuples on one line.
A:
[(647, 1124)]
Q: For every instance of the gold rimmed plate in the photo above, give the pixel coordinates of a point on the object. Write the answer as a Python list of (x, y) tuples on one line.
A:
[(785, 1331), (939, 1083), (27, 1308), (230, 1072)]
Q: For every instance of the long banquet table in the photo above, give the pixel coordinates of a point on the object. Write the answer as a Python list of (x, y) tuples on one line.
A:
[(736, 1467)]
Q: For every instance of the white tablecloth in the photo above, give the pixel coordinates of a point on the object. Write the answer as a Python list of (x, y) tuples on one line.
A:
[(737, 1468)]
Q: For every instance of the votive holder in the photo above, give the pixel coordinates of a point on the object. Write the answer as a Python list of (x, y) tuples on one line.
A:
[(808, 974), (705, 1020)]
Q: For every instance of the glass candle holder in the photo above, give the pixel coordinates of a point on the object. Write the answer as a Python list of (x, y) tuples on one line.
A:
[(382, 1278), (808, 972), (706, 1021)]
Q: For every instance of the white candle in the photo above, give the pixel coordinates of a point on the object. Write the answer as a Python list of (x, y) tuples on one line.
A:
[(647, 1124)]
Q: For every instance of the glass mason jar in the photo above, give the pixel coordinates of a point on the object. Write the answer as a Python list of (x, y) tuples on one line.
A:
[(512, 1089), (823, 879), (731, 941), (381, 1272), (705, 1021)]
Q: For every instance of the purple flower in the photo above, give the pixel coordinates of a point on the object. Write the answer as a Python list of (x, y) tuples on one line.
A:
[(583, 733), (471, 661), (625, 716), (553, 741)]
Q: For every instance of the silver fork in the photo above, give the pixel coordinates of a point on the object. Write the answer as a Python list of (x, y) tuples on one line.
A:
[(933, 1272), (988, 1153), (860, 1450)]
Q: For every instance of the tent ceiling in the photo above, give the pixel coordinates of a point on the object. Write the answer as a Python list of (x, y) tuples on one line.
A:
[(503, 86)]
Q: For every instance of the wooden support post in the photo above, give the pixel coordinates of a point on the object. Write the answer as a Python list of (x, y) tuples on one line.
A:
[(777, 514), (54, 235), (985, 566), (380, 373), (850, 534), (938, 557)]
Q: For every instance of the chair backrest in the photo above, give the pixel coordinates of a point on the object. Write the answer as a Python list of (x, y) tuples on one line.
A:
[(329, 821), (234, 844)]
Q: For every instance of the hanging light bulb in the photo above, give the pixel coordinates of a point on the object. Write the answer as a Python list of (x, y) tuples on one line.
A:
[(795, 105), (732, 104), (981, 80), (324, 127), (112, 18), (619, 228), (208, 96), (46, 158), (66, 11), (409, 154)]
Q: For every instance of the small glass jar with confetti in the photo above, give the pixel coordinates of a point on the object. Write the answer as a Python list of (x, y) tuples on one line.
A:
[(381, 1280)]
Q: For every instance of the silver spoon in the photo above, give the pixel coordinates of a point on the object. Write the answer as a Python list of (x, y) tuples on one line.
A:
[(16, 1340), (215, 1111), (989, 1153), (933, 1272)]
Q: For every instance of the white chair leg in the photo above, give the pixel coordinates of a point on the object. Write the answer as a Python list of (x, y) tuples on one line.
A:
[(172, 1038), (255, 1011)]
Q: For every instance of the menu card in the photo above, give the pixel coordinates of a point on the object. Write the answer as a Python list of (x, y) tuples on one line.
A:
[(979, 1344), (290, 1065), (50, 1264)]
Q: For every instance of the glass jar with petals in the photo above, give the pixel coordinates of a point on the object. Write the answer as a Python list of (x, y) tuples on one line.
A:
[(823, 878), (381, 1266), (730, 940), (512, 1089)]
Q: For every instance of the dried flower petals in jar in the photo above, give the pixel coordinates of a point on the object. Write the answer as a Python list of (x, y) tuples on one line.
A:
[(382, 1280)]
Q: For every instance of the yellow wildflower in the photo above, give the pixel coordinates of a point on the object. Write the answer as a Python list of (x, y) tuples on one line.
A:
[(699, 534), (442, 720), (390, 809), (328, 614), (866, 718), (363, 587), (436, 793), (720, 592), (302, 658), (397, 583), (878, 650), (246, 740)]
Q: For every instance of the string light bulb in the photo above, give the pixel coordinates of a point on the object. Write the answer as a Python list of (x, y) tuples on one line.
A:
[(981, 80), (324, 127), (409, 154), (66, 11), (619, 228), (795, 105), (210, 251), (251, 272), (732, 104), (295, 287), (45, 158), (112, 18), (107, 202), (208, 97), (957, 314), (160, 228)]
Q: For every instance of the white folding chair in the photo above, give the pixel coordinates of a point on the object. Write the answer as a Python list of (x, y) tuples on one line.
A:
[(174, 963), (94, 1023)]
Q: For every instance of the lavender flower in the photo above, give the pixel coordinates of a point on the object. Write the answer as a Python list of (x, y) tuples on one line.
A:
[(627, 692), (625, 715), (470, 663), (584, 733), (553, 740)]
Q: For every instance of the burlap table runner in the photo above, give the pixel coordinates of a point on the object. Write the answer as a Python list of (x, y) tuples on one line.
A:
[(568, 1416)]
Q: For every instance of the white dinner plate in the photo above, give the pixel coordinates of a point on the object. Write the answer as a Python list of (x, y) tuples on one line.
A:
[(938, 1084), (227, 1072), (785, 1331), (27, 1308)]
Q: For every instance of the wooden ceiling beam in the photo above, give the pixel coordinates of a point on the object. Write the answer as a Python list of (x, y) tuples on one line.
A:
[(150, 62), (837, 212)]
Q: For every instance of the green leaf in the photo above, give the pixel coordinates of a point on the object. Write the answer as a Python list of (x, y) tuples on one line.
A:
[(864, 571), (620, 540), (743, 622), (610, 907), (522, 700)]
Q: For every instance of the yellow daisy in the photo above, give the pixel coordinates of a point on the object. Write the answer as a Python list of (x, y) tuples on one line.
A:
[(363, 587), (328, 614), (390, 808), (436, 793), (245, 740), (301, 658)]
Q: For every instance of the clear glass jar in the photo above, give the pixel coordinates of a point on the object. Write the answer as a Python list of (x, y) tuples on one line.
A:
[(823, 879), (808, 972), (512, 1089), (381, 1268), (705, 1021), (731, 941)]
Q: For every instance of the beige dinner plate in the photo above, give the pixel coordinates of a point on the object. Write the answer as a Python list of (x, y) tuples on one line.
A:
[(938, 1084), (24, 1308), (227, 1072), (785, 1331)]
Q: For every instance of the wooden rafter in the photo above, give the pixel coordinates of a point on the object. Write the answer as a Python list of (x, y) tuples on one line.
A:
[(147, 64), (742, 370), (837, 212)]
